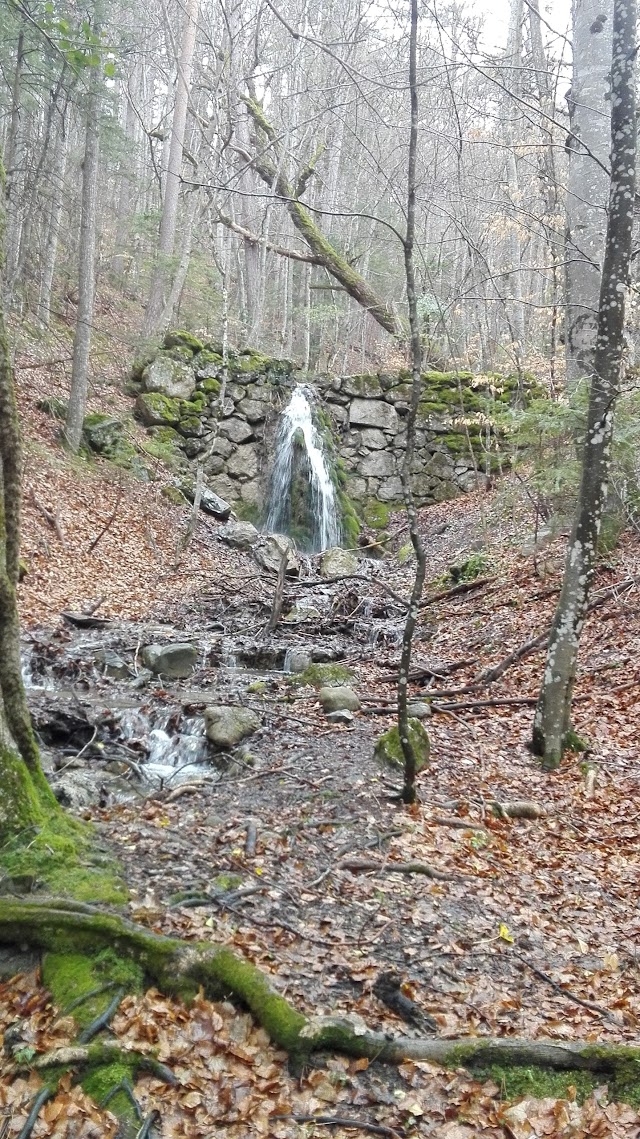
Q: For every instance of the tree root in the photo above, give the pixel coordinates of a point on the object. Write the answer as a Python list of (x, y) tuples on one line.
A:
[(180, 967)]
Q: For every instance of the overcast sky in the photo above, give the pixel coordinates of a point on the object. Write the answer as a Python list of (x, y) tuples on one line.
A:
[(555, 12)]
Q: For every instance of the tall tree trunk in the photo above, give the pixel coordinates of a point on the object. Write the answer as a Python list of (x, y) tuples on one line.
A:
[(24, 792), (12, 159), (408, 752), (50, 253), (86, 267), (168, 222), (553, 712), (588, 182)]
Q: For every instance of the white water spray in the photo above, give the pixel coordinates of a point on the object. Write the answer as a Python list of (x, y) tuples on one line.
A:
[(297, 430)]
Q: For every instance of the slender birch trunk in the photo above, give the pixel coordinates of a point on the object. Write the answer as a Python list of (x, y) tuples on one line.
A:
[(553, 711), (588, 181), (168, 223), (86, 267)]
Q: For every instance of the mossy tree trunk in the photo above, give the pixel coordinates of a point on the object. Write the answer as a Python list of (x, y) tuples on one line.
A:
[(324, 253), (24, 792)]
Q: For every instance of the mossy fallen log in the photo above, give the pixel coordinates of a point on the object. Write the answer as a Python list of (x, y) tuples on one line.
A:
[(181, 968)]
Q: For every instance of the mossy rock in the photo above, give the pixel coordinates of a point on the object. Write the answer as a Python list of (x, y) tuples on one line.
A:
[(173, 495), (140, 364), (179, 353), (180, 338), (191, 426), (156, 409), (195, 405), (250, 361), (210, 386), (389, 751), (106, 437), (321, 675)]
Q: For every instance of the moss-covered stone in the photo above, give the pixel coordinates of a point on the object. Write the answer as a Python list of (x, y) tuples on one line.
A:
[(53, 405), (319, 675), (388, 749), (210, 386), (250, 361), (349, 522), (180, 338), (156, 409), (174, 495)]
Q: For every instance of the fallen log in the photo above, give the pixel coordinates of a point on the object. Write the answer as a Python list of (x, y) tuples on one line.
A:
[(181, 968)]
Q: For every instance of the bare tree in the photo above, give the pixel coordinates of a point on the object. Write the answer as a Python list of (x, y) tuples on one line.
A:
[(553, 711), (86, 266), (156, 310)]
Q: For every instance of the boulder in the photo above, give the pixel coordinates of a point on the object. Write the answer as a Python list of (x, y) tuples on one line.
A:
[(338, 563), (338, 699), (173, 661), (169, 377), (180, 338), (373, 413), (244, 463), (272, 549), (227, 725), (389, 752), (243, 535), (251, 492), (378, 464), (113, 665), (157, 410), (238, 430), (103, 433)]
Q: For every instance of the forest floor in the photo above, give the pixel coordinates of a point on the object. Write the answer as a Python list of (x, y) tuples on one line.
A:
[(530, 928)]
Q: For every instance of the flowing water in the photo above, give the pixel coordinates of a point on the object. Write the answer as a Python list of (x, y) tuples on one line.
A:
[(302, 500)]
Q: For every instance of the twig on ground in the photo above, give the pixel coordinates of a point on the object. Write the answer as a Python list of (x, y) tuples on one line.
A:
[(590, 1005), (43, 1095), (463, 587), (338, 1121), (112, 516), (50, 518), (400, 868)]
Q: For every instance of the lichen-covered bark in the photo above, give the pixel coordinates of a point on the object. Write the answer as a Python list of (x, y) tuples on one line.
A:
[(553, 711)]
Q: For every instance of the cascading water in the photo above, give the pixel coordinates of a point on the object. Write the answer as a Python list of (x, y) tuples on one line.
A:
[(302, 499)]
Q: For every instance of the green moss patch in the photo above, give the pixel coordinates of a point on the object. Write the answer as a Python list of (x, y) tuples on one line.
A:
[(156, 409), (539, 1083), (376, 514), (57, 854), (388, 749), (71, 976), (180, 338), (319, 675)]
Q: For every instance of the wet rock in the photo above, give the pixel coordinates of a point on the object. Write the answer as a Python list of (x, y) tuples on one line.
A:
[(302, 612), (241, 534), (389, 752), (338, 563), (81, 789), (297, 660), (341, 716), (373, 413), (272, 549), (170, 377), (338, 699), (226, 725), (173, 661), (113, 665)]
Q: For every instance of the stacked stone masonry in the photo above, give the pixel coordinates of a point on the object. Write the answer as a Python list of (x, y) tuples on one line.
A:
[(179, 400)]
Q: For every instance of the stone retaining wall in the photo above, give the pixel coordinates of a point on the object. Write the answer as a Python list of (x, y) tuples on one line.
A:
[(365, 416)]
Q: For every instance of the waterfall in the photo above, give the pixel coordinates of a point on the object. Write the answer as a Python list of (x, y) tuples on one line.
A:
[(302, 499)]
